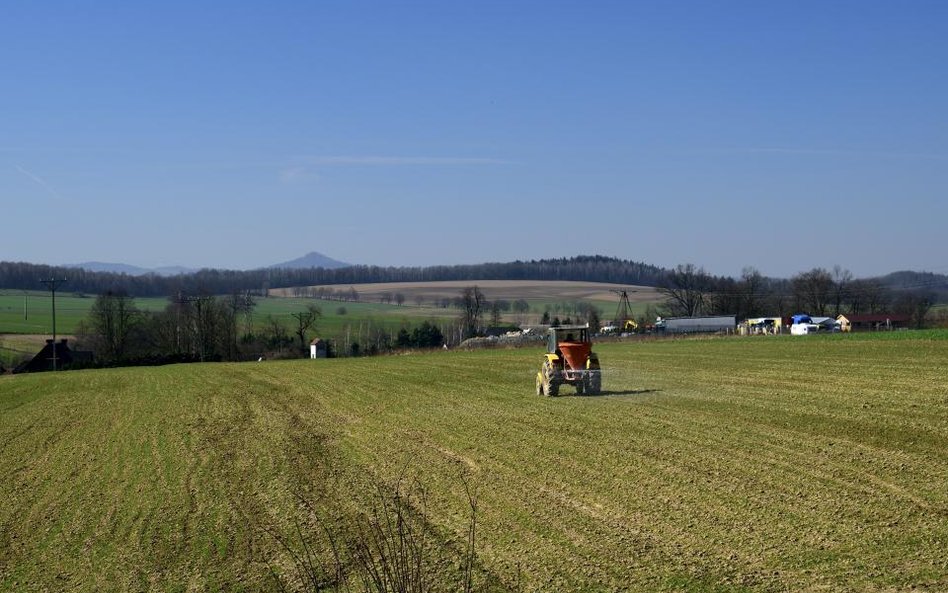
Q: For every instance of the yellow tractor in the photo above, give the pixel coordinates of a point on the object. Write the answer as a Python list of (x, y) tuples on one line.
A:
[(569, 360)]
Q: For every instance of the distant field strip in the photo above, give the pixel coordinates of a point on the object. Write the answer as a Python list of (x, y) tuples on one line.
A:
[(771, 464), (33, 315), (531, 290)]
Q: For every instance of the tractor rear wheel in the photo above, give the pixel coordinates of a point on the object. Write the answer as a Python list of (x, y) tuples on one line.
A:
[(594, 382), (539, 384)]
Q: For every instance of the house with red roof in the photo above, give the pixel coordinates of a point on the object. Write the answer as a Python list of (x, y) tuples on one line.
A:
[(873, 322)]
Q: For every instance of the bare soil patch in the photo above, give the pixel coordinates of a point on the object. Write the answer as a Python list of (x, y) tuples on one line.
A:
[(499, 289)]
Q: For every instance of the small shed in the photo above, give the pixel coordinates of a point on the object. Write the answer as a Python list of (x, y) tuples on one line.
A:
[(318, 348), (64, 355)]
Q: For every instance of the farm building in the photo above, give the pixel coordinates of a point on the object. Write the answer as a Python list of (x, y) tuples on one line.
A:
[(873, 322), (693, 325), (319, 348), (43, 361)]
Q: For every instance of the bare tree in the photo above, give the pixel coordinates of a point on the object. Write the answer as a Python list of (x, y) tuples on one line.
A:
[(521, 307), (275, 334), (240, 303), (112, 319), (813, 290), (495, 313), (205, 324), (472, 305), (915, 304), (685, 289), (725, 299), (591, 314), (867, 296), (753, 291), (842, 278), (304, 321)]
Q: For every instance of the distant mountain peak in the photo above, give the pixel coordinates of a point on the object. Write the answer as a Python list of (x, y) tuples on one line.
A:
[(313, 259), (115, 268)]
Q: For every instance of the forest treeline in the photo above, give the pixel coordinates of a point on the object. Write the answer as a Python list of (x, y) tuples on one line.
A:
[(26, 276), (729, 292)]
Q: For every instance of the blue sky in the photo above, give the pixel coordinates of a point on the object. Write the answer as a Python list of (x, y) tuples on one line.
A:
[(779, 135)]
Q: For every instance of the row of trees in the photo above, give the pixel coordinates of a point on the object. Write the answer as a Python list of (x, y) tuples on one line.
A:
[(209, 328), (690, 291), (22, 275), (474, 305), (426, 335), (326, 293), (198, 328), (370, 336)]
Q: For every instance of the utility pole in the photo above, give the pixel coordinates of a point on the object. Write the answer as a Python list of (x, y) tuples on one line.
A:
[(52, 284), (198, 304), (624, 310)]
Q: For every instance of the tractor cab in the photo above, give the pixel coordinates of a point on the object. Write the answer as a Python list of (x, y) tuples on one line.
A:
[(572, 334)]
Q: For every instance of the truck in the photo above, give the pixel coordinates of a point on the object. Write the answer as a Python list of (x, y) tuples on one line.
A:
[(694, 325)]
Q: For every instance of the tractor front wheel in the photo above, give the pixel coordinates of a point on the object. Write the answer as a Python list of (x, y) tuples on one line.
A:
[(550, 386), (552, 389)]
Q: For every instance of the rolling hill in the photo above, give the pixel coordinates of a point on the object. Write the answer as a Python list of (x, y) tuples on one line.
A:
[(313, 259), (119, 268)]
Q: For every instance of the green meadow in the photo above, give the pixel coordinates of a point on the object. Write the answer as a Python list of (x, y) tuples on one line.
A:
[(32, 314), (729, 464)]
